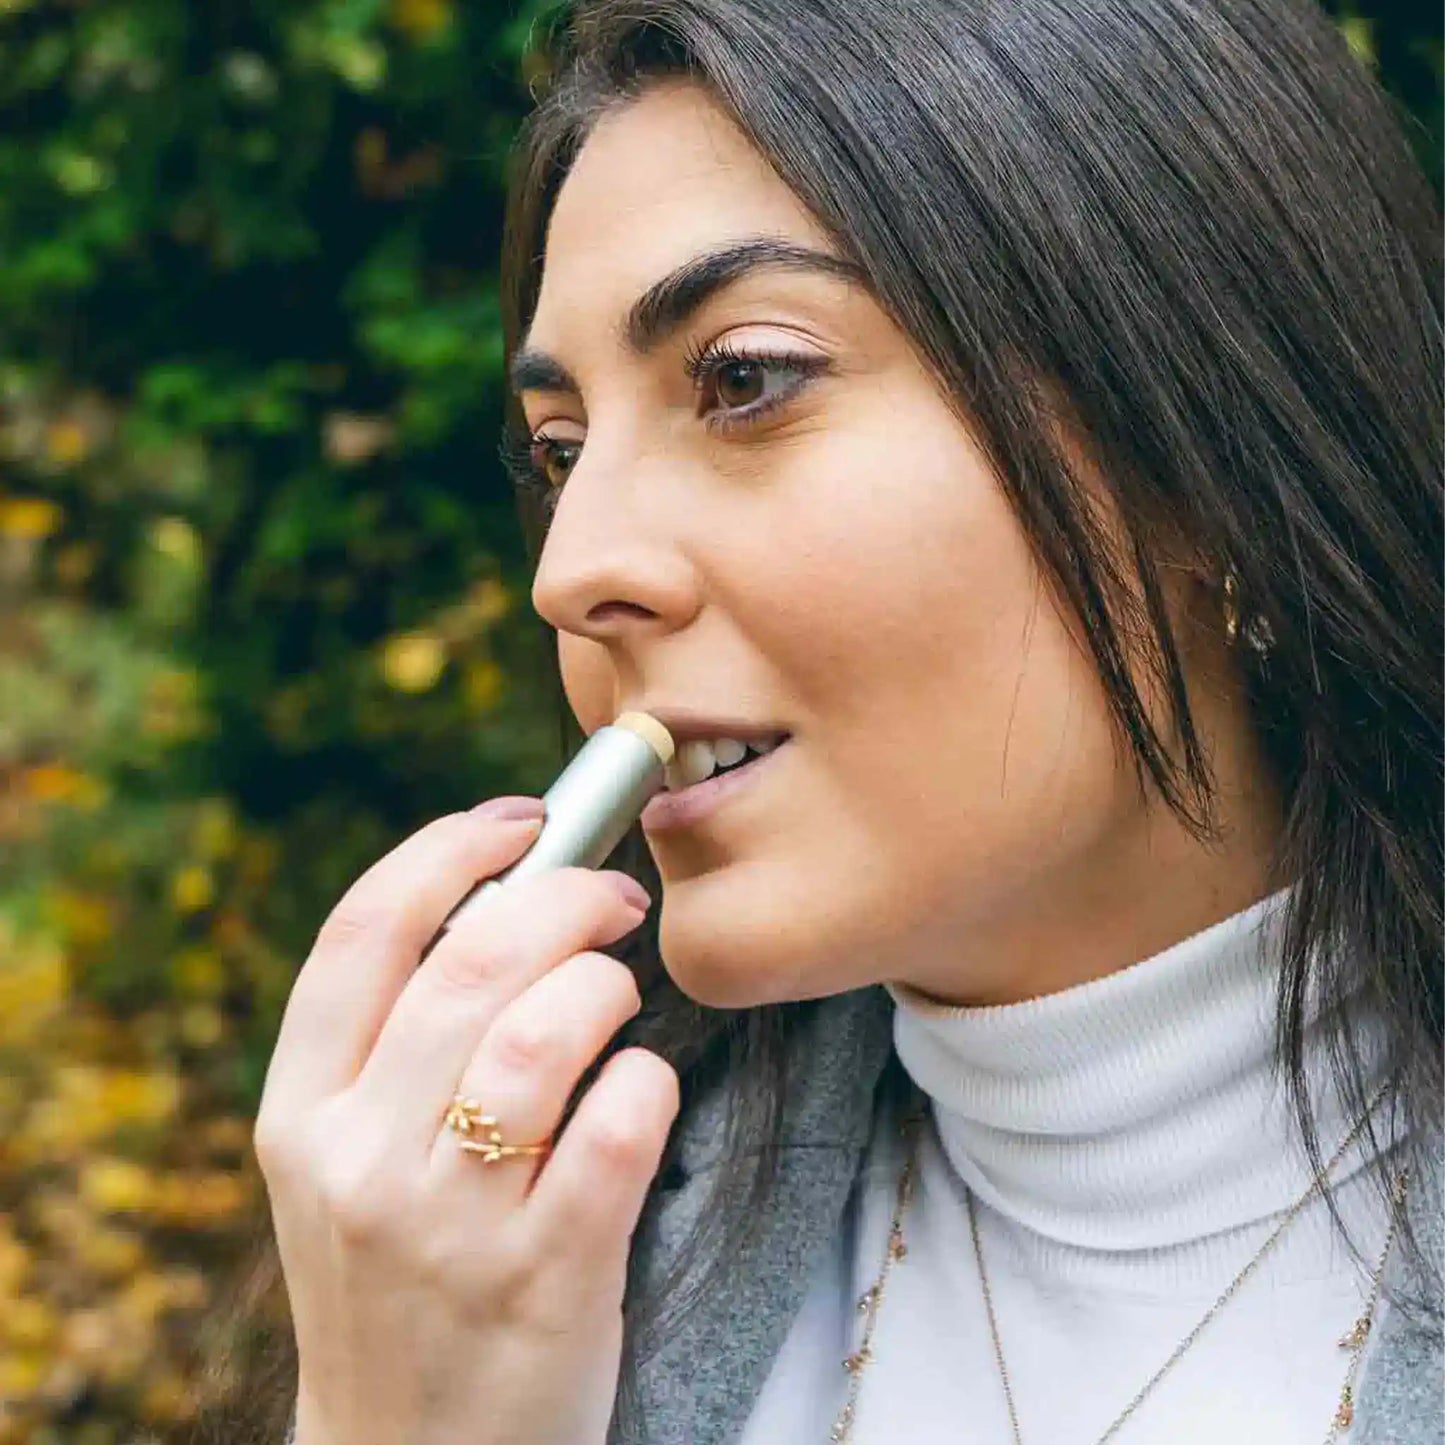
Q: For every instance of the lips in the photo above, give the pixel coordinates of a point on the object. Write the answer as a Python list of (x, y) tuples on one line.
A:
[(694, 804), (692, 724)]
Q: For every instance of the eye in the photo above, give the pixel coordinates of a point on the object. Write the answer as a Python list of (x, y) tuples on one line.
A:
[(539, 465), (741, 383), (553, 458), (735, 388)]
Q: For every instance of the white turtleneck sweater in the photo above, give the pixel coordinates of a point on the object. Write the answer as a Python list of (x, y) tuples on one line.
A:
[(1129, 1152)]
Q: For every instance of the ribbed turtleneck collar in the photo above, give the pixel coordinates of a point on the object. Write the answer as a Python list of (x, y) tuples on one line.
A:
[(1137, 1110)]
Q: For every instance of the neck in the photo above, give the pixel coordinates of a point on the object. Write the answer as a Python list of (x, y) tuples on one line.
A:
[(1139, 1108), (1147, 883)]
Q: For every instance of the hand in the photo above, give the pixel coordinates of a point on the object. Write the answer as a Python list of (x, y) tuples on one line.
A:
[(439, 1300)]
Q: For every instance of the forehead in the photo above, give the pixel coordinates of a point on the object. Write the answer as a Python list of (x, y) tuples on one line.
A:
[(659, 180)]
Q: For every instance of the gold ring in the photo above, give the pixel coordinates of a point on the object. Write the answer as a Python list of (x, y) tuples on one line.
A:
[(464, 1118)]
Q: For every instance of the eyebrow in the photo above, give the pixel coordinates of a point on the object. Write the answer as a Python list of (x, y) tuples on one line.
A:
[(667, 304)]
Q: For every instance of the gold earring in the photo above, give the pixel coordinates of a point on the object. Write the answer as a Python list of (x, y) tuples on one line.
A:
[(1256, 630), (1231, 607)]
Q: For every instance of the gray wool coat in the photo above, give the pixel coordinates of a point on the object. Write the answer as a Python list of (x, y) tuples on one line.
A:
[(698, 1386)]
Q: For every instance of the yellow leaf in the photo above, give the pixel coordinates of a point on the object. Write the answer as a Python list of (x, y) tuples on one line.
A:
[(192, 888), (421, 19), (200, 1199), (132, 1097), (258, 859), (413, 661), (34, 986), (116, 1186), (89, 1336), (202, 1026), (491, 600), (483, 684), (60, 783), (175, 538), (197, 971), (215, 828), (173, 705), (21, 1375), (87, 918), (66, 442), (14, 1260), (110, 1253), (27, 1322), (168, 1397), (30, 518)]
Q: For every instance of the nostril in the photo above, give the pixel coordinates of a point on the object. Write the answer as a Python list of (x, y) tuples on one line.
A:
[(611, 611)]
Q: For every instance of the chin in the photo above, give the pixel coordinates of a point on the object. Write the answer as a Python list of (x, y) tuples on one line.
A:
[(731, 958), (712, 970)]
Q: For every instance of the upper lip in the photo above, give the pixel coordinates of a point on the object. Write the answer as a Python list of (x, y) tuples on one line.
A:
[(690, 724)]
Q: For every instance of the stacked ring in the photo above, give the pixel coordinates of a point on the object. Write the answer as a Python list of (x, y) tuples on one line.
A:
[(478, 1133)]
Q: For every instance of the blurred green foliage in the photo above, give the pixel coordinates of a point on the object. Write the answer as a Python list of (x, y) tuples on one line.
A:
[(262, 597), (262, 602)]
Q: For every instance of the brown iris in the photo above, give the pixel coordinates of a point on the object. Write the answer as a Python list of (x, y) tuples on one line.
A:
[(555, 459), (739, 383)]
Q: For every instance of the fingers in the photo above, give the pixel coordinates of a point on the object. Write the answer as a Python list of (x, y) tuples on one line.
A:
[(368, 948), (585, 1203), (530, 1060), (499, 947)]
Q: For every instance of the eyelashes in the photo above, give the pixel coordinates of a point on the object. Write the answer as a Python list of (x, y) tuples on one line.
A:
[(529, 459)]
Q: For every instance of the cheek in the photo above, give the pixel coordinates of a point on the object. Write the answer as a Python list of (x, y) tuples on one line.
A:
[(963, 745)]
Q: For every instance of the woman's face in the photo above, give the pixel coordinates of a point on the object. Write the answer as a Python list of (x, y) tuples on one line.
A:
[(822, 548)]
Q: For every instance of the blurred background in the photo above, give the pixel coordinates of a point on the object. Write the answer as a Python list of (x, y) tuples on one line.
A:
[(263, 600)]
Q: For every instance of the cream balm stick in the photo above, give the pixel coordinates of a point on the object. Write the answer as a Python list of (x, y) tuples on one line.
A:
[(597, 797)]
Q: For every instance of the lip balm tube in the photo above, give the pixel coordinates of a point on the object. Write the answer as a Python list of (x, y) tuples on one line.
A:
[(596, 798)]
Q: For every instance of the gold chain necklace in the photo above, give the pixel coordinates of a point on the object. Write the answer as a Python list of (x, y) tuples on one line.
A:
[(896, 1250)]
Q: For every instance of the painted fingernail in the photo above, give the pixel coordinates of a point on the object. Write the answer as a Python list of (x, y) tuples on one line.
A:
[(510, 809), (632, 891)]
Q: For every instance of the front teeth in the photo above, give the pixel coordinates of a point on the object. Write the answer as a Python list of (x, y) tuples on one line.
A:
[(697, 759)]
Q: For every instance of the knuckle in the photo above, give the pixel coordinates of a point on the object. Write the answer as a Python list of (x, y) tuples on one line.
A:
[(668, 1085), (613, 975), (272, 1147), (356, 1197), (473, 957), (350, 923), (525, 1046), (616, 1144), (627, 982)]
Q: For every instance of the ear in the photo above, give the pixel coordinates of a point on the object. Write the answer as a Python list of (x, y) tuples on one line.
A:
[(1193, 583)]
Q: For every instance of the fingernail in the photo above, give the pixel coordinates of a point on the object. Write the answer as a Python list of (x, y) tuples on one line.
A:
[(632, 891), (510, 809)]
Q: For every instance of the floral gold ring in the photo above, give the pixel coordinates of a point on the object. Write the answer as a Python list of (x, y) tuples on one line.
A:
[(479, 1133)]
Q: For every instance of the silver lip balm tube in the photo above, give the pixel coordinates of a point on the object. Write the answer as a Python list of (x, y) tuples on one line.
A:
[(596, 798)]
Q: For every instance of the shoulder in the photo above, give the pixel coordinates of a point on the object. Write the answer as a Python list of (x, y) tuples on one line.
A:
[(1399, 1396)]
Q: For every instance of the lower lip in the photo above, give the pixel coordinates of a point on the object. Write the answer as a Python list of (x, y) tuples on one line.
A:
[(681, 809)]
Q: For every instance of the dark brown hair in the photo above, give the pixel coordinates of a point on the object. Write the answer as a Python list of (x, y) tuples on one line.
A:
[(1202, 227)]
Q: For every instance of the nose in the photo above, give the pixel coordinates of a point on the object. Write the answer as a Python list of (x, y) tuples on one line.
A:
[(609, 569)]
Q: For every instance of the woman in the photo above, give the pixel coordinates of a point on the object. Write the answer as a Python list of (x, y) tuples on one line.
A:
[(1031, 412)]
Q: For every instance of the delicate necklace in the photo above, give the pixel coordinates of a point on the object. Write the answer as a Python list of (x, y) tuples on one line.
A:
[(872, 1298)]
